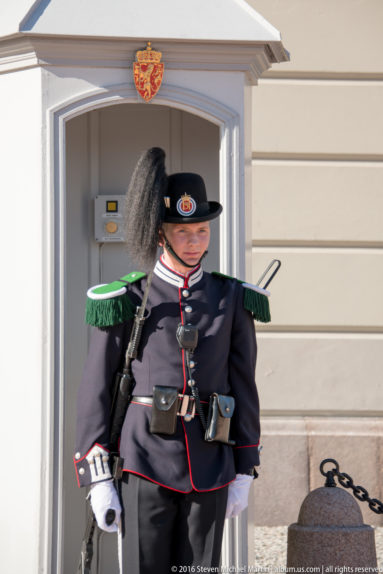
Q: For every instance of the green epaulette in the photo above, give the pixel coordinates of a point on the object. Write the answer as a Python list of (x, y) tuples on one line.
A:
[(109, 304), (255, 299)]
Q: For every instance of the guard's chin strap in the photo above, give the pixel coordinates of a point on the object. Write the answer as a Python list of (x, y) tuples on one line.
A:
[(171, 250)]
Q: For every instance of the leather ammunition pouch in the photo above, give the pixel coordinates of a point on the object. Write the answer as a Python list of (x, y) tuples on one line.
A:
[(167, 404), (164, 410), (221, 408)]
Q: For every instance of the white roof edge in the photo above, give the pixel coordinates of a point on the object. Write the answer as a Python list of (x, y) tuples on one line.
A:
[(265, 23), (179, 19)]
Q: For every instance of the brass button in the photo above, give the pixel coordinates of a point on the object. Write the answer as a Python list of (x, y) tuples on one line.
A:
[(77, 456), (188, 309), (81, 471), (185, 293)]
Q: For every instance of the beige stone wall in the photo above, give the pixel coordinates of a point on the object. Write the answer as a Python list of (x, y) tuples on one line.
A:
[(318, 206)]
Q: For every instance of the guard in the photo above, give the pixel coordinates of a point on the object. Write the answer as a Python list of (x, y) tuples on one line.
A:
[(189, 440)]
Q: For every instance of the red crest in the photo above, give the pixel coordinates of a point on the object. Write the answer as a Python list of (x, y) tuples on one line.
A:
[(148, 72)]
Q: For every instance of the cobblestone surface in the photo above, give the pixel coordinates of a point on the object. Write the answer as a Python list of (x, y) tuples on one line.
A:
[(270, 547)]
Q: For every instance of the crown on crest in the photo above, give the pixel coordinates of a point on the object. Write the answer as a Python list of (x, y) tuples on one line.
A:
[(148, 56)]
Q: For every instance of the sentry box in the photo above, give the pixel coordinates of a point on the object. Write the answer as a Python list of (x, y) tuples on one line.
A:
[(108, 218)]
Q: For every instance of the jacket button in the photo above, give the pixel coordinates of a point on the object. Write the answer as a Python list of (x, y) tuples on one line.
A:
[(192, 364), (77, 456), (188, 309), (185, 293), (81, 471)]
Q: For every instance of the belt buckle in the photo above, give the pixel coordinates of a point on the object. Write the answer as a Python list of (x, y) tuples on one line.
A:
[(187, 408)]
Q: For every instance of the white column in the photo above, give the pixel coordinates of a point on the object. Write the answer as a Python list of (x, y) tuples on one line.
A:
[(24, 394)]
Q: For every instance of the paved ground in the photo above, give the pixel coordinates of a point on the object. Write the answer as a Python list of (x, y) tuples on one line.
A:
[(270, 545)]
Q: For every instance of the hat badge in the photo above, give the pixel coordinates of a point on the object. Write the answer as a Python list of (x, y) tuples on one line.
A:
[(186, 205)]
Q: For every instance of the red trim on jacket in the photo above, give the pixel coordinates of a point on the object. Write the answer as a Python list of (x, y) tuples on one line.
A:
[(188, 455), (248, 445), (78, 480), (184, 373), (85, 455), (182, 350), (175, 489)]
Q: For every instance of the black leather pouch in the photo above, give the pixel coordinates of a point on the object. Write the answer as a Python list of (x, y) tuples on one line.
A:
[(164, 410), (221, 408)]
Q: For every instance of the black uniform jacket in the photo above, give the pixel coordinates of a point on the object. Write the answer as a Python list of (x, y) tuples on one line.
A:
[(224, 362)]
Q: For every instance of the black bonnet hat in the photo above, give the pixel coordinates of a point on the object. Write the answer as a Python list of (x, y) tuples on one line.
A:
[(153, 198), (186, 200)]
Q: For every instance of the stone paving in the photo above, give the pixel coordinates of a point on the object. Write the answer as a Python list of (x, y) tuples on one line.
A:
[(270, 547)]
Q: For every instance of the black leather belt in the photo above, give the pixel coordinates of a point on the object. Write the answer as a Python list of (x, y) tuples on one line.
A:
[(186, 405)]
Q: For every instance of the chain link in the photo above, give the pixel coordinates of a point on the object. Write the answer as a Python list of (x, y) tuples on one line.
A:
[(346, 481)]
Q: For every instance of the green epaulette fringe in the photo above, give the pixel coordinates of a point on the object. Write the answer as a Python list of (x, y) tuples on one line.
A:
[(110, 304), (108, 312), (254, 300), (258, 304)]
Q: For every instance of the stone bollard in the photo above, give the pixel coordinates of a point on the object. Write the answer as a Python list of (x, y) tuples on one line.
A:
[(330, 534)]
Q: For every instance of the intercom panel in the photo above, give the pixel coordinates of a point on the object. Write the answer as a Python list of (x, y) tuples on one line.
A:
[(108, 218)]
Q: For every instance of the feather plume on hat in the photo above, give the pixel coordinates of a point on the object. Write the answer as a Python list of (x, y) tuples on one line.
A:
[(144, 207)]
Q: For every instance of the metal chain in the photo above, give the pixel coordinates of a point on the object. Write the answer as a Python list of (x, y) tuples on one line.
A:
[(346, 481)]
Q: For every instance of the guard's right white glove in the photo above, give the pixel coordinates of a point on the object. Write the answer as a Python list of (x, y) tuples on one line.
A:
[(103, 496), (238, 495)]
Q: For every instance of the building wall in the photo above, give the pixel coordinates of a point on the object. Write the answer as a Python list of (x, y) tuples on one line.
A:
[(317, 206)]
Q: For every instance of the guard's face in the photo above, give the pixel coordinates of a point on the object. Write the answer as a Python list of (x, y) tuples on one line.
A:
[(189, 241)]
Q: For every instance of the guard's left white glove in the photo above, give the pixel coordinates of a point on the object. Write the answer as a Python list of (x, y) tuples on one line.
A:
[(104, 497), (238, 495)]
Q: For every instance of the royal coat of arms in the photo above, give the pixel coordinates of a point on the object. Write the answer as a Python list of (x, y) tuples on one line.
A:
[(148, 71)]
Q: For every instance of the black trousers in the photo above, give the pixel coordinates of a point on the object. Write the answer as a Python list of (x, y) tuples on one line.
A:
[(164, 529)]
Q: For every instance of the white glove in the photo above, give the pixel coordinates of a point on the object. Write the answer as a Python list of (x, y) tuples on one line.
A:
[(238, 495), (103, 496)]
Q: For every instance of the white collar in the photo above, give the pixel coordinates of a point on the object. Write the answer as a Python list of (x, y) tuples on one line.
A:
[(171, 276)]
